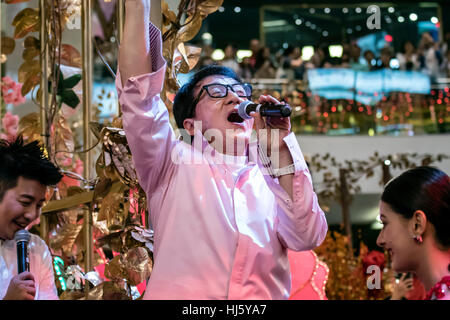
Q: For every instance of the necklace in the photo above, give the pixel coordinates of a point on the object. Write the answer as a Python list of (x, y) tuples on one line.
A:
[(439, 290)]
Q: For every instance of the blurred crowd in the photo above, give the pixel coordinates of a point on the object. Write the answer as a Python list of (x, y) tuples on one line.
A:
[(428, 56)]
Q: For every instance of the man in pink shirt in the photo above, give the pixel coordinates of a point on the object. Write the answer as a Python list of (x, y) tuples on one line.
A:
[(222, 225)]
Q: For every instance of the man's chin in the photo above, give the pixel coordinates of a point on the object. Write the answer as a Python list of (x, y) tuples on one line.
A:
[(239, 136)]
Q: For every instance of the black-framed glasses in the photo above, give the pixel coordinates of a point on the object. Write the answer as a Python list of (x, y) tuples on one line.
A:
[(219, 90)]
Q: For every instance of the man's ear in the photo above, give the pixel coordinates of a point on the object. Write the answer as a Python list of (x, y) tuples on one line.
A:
[(418, 223), (188, 125)]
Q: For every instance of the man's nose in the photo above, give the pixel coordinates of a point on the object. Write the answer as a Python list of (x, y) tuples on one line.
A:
[(32, 213), (233, 97)]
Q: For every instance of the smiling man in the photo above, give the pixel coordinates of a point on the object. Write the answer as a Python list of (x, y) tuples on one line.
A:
[(25, 174), (222, 226)]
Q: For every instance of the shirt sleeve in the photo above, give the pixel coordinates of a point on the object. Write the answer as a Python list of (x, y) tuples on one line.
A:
[(145, 118), (47, 287), (301, 222)]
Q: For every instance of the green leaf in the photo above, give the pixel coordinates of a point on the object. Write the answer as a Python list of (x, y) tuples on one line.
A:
[(72, 81), (70, 98), (60, 79)]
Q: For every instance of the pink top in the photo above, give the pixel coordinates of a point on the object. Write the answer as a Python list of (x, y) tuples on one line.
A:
[(309, 276), (222, 229)]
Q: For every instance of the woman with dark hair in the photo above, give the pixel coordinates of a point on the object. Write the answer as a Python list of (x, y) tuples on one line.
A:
[(415, 212)]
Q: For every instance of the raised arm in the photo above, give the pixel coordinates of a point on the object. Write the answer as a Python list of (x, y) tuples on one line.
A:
[(139, 81), (134, 52)]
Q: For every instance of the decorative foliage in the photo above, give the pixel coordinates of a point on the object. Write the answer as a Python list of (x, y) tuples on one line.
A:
[(180, 57), (354, 170), (348, 277), (64, 92)]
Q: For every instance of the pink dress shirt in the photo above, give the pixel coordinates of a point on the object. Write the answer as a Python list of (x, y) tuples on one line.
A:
[(222, 227)]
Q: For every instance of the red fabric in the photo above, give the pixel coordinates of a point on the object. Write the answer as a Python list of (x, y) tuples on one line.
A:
[(417, 292)]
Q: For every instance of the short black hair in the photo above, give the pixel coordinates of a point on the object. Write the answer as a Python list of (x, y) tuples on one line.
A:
[(422, 188), (183, 105), (18, 159)]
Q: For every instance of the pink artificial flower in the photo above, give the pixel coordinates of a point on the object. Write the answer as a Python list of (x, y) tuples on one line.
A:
[(8, 83), (79, 167), (10, 125), (69, 182), (11, 91), (67, 162)]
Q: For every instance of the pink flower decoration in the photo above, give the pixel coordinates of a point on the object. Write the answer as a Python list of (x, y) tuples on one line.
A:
[(69, 182), (10, 125), (79, 167), (67, 162), (11, 91)]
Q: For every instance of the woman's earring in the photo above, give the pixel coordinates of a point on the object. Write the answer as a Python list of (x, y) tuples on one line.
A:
[(418, 239)]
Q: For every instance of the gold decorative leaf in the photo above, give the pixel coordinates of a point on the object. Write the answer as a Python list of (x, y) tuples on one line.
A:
[(26, 21), (209, 6), (168, 15), (135, 266), (71, 295), (114, 209), (108, 290), (32, 48), (192, 27), (29, 127), (70, 56), (8, 45), (191, 55), (29, 75), (63, 138), (65, 238)]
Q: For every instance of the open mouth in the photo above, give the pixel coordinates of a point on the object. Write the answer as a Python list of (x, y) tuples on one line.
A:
[(20, 225), (234, 117)]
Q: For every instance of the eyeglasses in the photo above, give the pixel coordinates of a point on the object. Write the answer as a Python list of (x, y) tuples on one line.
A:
[(218, 90)]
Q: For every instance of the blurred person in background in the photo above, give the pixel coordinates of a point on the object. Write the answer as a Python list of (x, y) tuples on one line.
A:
[(230, 59), (246, 69), (371, 61), (385, 59), (255, 45), (408, 58), (430, 57), (264, 66), (291, 65), (355, 58)]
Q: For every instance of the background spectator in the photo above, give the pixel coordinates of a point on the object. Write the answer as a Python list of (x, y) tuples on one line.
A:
[(230, 59), (408, 58), (264, 66)]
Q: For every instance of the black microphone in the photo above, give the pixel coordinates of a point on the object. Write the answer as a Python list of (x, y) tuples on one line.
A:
[(22, 237), (266, 109)]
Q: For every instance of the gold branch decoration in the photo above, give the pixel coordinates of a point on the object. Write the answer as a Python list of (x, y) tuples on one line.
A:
[(178, 29)]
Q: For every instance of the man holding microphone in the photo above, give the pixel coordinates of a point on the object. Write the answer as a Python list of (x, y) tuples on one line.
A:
[(25, 174), (222, 225)]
